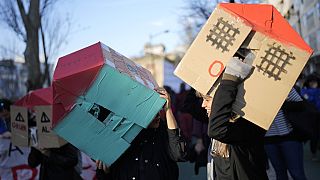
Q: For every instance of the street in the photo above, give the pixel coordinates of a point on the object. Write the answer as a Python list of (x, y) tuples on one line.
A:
[(312, 168)]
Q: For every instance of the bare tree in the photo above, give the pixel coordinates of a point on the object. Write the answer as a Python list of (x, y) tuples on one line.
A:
[(53, 36), (27, 20), (197, 13)]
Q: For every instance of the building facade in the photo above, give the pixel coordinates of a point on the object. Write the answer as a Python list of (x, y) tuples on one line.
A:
[(13, 79), (161, 65), (304, 17)]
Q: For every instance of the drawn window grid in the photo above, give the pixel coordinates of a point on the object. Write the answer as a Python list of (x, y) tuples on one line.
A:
[(275, 61), (222, 35)]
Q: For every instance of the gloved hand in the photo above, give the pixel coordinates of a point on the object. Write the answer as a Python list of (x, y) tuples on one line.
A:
[(237, 67)]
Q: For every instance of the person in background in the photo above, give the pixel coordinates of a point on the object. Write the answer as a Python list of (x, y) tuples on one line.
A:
[(311, 93), (237, 151), (199, 145), (5, 118), (153, 154), (55, 163), (282, 147), (199, 138), (184, 119), (311, 90)]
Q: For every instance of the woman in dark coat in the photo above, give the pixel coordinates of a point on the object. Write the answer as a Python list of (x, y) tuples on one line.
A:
[(237, 145), (55, 163), (153, 153)]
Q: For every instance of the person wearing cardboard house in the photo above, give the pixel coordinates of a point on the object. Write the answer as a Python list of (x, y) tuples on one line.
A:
[(152, 154), (55, 163), (237, 151)]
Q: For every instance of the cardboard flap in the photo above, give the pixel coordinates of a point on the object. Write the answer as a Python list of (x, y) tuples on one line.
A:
[(66, 90), (19, 125), (79, 61), (47, 138)]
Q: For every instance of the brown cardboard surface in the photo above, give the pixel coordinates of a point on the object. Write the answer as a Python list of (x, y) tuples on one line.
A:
[(46, 137), (264, 92), (206, 57), (19, 126), (277, 65)]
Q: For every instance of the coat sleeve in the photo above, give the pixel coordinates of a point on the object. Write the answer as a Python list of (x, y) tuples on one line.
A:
[(35, 157), (220, 127), (177, 145), (66, 157)]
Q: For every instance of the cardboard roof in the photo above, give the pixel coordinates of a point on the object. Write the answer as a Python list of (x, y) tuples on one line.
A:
[(35, 98), (268, 20)]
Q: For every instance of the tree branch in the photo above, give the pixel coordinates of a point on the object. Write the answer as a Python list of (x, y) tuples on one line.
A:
[(22, 12), (9, 15)]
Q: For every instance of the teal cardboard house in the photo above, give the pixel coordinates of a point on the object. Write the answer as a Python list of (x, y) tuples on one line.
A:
[(102, 100)]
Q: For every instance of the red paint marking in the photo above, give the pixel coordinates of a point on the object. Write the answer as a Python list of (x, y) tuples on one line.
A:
[(15, 169), (219, 72)]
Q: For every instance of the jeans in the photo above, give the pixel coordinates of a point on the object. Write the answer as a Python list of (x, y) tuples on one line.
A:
[(287, 155)]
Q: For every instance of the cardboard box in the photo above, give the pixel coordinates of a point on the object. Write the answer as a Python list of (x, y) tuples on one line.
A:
[(19, 126), (46, 137), (102, 100), (280, 57), (23, 135)]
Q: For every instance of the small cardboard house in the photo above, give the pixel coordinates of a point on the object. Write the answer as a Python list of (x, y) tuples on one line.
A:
[(22, 134), (102, 100), (280, 55)]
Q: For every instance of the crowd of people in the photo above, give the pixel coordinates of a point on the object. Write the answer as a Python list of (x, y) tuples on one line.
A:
[(200, 129)]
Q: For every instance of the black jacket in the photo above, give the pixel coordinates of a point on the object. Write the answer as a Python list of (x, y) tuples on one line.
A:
[(152, 155), (60, 164), (247, 156)]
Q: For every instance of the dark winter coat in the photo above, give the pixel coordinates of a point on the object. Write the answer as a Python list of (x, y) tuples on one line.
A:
[(152, 155), (60, 164), (247, 156)]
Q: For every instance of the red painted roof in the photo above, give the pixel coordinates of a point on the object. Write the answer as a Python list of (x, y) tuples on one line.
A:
[(36, 98), (267, 19), (73, 75)]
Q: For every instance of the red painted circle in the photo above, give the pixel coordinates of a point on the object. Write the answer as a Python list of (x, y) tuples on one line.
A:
[(219, 72)]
